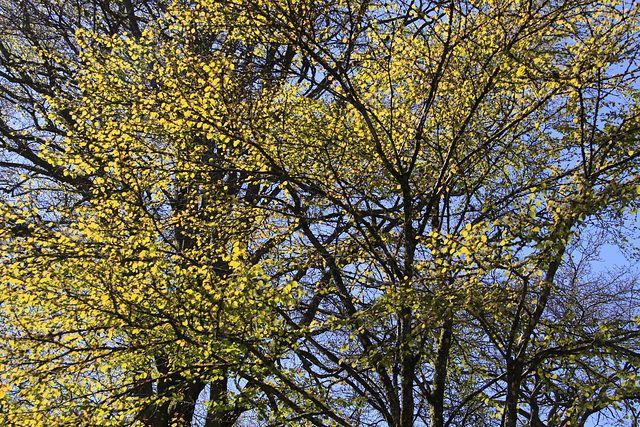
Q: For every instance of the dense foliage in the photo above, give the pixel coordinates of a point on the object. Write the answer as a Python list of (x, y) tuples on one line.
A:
[(353, 213)]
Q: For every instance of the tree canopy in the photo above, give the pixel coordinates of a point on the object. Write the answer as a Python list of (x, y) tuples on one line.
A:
[(341, 213)]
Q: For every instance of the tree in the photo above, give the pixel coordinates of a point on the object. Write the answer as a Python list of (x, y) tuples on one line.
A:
[(42, 64), (357, 213)]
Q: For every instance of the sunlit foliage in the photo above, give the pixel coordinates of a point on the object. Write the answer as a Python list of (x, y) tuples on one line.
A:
[(301, 213)]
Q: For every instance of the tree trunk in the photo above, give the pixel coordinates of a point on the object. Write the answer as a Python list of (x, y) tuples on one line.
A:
[(436, 398)]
